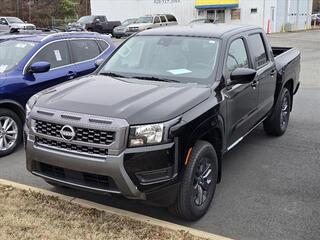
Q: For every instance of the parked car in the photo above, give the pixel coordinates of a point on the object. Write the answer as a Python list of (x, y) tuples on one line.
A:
[(202, 20), (8, 23), (152, 21), (315, 19), (31, 63), (94, 23), (121, 31), (160, 114)]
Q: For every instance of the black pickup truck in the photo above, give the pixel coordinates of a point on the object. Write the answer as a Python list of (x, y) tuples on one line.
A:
[(93, 23), (155, 120)]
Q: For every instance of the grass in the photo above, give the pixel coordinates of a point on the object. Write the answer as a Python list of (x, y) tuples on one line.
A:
[(31, 215)]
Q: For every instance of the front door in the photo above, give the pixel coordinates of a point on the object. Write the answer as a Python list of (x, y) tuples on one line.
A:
[(242, 99)]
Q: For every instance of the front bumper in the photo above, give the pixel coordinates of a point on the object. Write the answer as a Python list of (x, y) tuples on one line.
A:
[(134, 173)]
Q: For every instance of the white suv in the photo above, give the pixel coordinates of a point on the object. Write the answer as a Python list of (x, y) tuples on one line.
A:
[(152, 21), (8, 23)]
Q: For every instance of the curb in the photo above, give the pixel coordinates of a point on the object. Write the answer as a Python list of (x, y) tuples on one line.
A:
[(136, 216)]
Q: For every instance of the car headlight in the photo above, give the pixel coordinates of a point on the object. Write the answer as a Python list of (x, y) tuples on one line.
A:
[(146, 135), (32, 101)]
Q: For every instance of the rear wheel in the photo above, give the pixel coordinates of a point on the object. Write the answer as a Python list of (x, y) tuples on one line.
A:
[(198, 184), (10, 131), (277, 123)]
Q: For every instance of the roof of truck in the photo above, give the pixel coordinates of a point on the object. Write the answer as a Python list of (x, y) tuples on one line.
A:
[(199, 30)]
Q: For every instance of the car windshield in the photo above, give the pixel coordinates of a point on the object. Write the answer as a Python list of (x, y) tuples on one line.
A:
[(14, 20), (86, 19), (128, 22), (167, 58), (12, 52), (144, 20)]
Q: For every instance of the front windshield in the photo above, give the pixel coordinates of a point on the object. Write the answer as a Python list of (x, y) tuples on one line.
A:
[(12, 52), (128, 22), (14, 20), (144, 20), (86, 19), (182, 59)]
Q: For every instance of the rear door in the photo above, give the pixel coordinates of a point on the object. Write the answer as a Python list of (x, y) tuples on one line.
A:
[(266, 71), (84, 54), (242, 99), (164, 21), (57, 54)]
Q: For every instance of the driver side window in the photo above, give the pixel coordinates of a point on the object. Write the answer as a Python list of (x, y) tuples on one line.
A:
[(237, 57)]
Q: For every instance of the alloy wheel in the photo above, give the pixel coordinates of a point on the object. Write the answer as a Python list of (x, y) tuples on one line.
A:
[(8, 133), (284, 115)]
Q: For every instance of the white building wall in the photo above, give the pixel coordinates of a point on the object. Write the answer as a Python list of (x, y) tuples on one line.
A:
[(295, 12)]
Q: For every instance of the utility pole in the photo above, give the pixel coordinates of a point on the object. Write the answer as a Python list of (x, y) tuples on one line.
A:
[(18, 8)]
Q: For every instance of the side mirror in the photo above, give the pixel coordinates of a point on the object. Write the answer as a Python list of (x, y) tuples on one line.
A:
[(98, 62), (243, 75), (39, 67)]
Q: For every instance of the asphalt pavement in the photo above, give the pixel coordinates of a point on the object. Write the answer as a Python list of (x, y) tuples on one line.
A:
[(270, 187)]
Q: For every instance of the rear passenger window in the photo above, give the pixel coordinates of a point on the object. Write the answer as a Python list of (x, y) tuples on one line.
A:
[(171, 18), (83, 50), (163, 19), (57, 54), (258, 50), (103, 44), (237, 57)]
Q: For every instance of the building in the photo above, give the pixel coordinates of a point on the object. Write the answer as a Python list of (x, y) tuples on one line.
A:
[(272, 15), (316, 6)]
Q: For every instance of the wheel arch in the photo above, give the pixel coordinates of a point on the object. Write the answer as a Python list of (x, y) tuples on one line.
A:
[(289, 85), (15, 107)]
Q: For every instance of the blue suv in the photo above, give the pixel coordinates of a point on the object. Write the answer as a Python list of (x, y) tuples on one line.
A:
[(31, 63)]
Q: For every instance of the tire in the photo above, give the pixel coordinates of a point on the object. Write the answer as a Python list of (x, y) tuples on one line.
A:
[(277, 123), (195, 194), (10, 131)]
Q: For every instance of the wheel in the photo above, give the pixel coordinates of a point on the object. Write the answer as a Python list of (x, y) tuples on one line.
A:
[(10, 131), (198, 183), (276, 124)]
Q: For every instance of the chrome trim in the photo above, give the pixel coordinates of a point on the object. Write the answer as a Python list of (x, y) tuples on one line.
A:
[(240, 139), (74, 184), (66, 39)]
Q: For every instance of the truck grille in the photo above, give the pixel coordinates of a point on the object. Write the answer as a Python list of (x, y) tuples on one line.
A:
[(82, 134), (72, 146)]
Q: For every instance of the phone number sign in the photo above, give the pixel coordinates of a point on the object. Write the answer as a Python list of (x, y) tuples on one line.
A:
[(166, 1)]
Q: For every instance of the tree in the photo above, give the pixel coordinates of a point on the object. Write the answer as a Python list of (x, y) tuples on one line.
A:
[(66, 9)]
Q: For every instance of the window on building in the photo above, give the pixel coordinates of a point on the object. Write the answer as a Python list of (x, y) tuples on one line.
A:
[(260, 53), (235, 14), (83, 50), (254, 10), (56, 54), (237, 57)]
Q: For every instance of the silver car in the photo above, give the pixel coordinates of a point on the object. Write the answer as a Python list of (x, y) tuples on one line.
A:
[(121, 31), (8, 23), (152, 21)]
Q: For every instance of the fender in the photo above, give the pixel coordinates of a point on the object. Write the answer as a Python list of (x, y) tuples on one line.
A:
[(13, 105)]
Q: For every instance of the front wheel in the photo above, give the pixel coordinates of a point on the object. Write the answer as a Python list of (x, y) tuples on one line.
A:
[(198, 183), (10, 131), (277, 123)]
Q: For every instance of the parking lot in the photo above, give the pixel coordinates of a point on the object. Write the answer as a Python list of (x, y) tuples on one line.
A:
[(270, 186)]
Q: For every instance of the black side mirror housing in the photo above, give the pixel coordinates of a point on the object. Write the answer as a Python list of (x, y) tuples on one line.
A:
[(243, 75), (39, 67)]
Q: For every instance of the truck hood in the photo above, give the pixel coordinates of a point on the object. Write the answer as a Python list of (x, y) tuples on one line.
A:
[(136, 101)]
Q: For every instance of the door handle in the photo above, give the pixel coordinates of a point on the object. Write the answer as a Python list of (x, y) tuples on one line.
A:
[(254, 84), (71, 75)]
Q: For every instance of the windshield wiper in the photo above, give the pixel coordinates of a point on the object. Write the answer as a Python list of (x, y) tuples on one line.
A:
[(112, 74), (156, 79)]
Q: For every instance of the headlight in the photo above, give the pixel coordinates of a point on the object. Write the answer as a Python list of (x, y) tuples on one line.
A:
[(146, 135), (32, 101)]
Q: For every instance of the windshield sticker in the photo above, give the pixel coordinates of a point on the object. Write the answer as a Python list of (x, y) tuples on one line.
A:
[(3, 68), (179, 71), (58, 55), (21, 45), (213, 42)]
